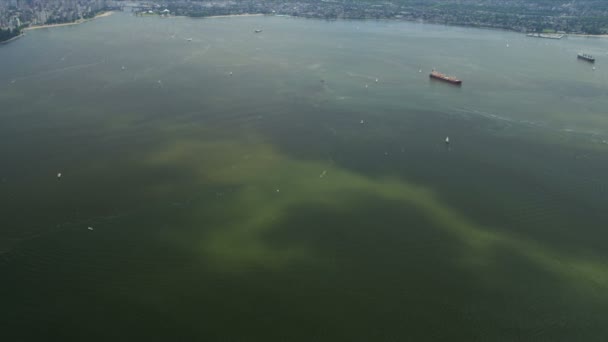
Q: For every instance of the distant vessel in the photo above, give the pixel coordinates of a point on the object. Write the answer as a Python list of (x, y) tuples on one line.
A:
[(189, 39), (586, 57), (546, 35), (437, 75), (257, 31)]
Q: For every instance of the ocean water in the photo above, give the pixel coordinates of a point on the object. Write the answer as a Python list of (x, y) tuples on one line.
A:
[(294, 184)]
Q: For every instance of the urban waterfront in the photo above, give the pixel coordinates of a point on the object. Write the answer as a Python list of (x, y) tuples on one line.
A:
[(294, 184)]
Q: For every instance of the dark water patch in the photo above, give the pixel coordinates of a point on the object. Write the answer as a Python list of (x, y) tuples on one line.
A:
[(401, 278)]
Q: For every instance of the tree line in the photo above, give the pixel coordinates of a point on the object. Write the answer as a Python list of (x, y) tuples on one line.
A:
[(8, 34)]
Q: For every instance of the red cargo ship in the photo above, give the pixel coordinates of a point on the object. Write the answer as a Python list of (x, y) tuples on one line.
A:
[(443, 77)]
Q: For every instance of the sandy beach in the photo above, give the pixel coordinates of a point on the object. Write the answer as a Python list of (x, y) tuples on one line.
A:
[(77, 22), (104, 14)]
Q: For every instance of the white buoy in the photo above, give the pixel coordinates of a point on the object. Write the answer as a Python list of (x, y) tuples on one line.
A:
[(230, 73), (593, 68), (58, 175), (376, 80), (90, 228), (419, 70), (278, 190), (366, 86), (362, 122), (447, 140), (123, 68)]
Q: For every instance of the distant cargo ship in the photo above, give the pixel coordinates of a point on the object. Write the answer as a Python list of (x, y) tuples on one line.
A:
[(546, 35), (257, 31), (439, 76), (586, 57)]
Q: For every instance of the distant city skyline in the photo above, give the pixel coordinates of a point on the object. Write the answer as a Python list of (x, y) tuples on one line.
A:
[(15, 13)]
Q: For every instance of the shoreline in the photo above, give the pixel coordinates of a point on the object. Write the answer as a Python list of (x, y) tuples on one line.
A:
[(109, 13), (236, 15), (77, 22), (13, 39), (589, 35), (387, 19), (218, 16)]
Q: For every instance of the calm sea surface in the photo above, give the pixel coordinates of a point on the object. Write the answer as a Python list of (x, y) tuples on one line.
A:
[(294, 185)]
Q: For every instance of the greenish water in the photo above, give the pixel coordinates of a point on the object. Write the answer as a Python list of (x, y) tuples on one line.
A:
[(267, 205)]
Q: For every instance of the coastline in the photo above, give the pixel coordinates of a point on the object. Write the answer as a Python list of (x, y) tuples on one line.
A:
[(77, 22), (388, 19), (12, 39), (104, 14), (108, 13), (223, 16), (589, 35), (236, 15)]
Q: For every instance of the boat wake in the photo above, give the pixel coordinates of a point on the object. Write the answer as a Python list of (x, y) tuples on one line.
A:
[(58, 70), (492, 116), (595, 136)]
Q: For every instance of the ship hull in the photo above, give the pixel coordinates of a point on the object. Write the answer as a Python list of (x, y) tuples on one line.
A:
[(445, 79), (590, 60)]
